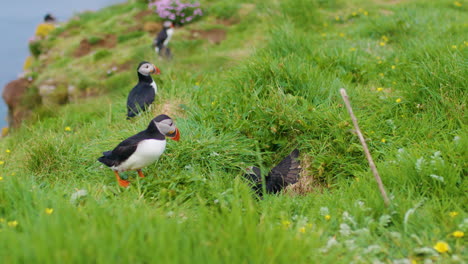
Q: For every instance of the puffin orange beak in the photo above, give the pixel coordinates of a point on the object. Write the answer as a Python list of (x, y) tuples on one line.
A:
[(156, 70), (176, 137)]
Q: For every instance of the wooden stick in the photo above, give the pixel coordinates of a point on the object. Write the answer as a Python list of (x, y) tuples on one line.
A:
[(366, 149)]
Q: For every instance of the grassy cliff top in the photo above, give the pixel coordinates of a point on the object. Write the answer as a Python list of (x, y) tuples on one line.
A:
[(269, 86)]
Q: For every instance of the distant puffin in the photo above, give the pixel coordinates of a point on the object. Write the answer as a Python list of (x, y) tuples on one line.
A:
[(142, 149), (282, 175), (162, 40), (142, 95)]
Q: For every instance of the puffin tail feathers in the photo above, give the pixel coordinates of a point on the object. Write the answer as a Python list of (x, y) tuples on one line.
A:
[(106, 159)]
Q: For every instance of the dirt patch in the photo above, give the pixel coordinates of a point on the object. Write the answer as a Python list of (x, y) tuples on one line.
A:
[(173, 108), (108, 41), (142, 14), (307, 181), (227, 22), (214, 36)]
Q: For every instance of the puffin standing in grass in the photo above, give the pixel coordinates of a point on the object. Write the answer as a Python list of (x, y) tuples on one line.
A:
[(162, 40), (282, 175), (142, 149), (142, 95)]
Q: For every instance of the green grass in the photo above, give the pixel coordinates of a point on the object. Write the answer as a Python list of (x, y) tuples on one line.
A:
[(271, 86)]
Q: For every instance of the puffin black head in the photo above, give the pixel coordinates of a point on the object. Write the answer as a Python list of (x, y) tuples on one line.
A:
[(166, 126), (145, 68)]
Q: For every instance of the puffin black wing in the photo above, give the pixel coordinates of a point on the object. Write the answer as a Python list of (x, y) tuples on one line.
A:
[(139, 98), (121, 153), (162, 36), (284, 174)]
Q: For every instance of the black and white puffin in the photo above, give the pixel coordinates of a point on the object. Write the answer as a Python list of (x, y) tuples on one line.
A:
[(142, 95), (282, 175), (142, 149), (162, 40)]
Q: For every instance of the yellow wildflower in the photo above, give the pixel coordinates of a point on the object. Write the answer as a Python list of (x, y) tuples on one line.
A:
[(384, 38), (44, 29), (49, 211), (381, 74), (302, 230), (379, 62), (337, 18), (458, 234), (7, 151), (354, 14), (456, 3), (341, 34), (286, 223), (393, 83), (393, 67), (12, 223), (2, 162), (68, 129), (465, 42), (442, 247), (2, 220), (352, 49), (382, 43), (379, 89), (197, 83), (327, 217), (413, 261), (1, 178), (383, 140), (454, 46), (453, 214), (323, 34), (398, 100), (366, 13)]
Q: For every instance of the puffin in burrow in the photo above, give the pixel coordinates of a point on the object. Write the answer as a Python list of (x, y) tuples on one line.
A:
[(142, 95), (162, 40), (282, 175), (142, 149)]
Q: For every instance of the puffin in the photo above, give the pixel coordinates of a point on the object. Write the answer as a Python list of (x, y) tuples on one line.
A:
[(162, 40), (142, 149), (142, 95), (282, 175)]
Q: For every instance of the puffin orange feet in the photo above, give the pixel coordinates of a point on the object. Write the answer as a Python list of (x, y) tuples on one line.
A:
[(122, 182), (140, 173)]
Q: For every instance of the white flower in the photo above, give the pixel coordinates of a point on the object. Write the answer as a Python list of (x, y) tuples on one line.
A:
[(372, 249), (456, 139), (349, 218), (420, 163), (324, 211), (351, 244), (439, 178), (77, 195), (331, 242), (345, 230), (384, 220)]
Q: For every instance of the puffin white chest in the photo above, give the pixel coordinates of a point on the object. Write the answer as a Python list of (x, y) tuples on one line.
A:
[(147, 152), (169, 33), (155, 87)]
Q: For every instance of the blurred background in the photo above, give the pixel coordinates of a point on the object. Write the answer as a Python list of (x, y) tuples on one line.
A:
[(18, 21)]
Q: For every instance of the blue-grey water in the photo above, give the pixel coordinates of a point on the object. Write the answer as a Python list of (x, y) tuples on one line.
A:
[(18, 21)]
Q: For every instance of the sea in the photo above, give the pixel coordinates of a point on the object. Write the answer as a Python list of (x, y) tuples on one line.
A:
[(18, 21)]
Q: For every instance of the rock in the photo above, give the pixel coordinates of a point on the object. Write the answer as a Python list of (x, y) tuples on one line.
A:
[(13, 94)]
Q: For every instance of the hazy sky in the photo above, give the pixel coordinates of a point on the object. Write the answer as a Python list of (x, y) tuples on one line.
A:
[(18, 21)]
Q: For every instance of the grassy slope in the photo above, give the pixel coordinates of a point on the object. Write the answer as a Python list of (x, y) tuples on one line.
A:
[(250, 101)]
